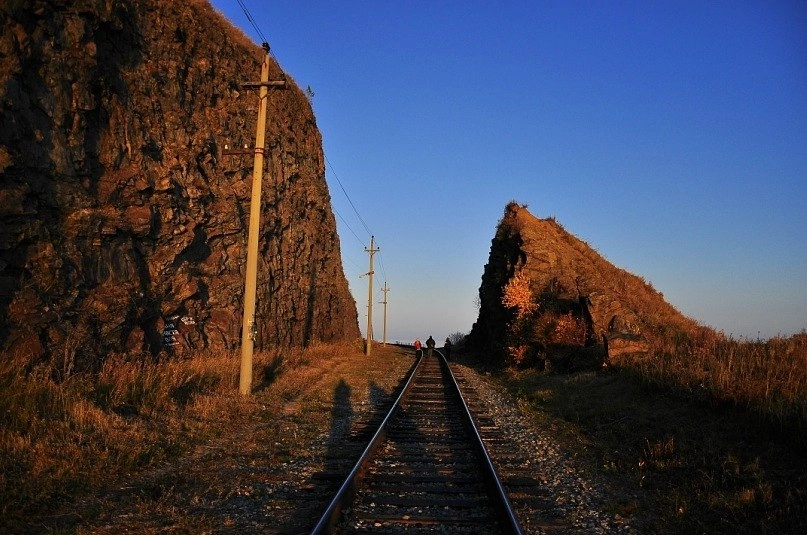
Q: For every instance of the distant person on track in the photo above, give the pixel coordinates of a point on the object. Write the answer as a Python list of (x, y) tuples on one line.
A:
[(418, 348), (430, 345), (447, 349)]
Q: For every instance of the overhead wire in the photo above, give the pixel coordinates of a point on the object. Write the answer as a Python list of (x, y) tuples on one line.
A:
[(333, 172), (358, 215), (263, 38), (252, 21), (383, 271), (347, 225)]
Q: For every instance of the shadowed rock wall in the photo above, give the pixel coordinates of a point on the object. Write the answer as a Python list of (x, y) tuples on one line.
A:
[(122, 225)]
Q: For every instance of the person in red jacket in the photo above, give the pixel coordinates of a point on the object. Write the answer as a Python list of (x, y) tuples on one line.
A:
[(418, 348)]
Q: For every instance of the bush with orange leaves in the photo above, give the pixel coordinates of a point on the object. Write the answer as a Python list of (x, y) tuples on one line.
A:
[(569, 330), (553, 329), (518, 294), (518, 354)]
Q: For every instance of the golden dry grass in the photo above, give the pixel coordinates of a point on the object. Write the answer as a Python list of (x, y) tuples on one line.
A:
[(58, 436), (767, 377), (87, 430), (709, 430)]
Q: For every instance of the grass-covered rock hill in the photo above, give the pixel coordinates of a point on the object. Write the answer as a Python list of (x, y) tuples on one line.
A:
[(548, 297)]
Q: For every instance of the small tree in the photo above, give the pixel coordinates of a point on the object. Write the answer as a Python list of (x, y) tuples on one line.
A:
[(457, 338), (518, 295)]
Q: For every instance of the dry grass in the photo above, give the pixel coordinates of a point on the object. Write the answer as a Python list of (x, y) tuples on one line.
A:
[(767, 377), (87, 430), (710, 431), (59, 436)]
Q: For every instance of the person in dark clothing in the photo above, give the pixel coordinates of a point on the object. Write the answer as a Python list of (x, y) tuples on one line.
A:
[(430, 345), (447, 349)]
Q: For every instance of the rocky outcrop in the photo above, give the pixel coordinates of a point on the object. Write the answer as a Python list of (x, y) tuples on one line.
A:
[(569, 281), (122, 224)]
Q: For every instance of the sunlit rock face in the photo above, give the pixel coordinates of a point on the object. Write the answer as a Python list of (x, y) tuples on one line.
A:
[(568, 281), (122, 224)]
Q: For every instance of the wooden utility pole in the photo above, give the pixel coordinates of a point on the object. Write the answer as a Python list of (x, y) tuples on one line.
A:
[(384, 302), (372, 250), (248, 326)]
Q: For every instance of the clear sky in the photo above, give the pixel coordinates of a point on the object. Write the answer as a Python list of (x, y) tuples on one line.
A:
[(670, 136)]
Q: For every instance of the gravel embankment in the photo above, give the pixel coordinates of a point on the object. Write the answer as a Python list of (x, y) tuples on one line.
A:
[(569, 498)]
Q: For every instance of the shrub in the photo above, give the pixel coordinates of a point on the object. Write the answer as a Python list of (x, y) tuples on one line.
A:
[(517, 294)]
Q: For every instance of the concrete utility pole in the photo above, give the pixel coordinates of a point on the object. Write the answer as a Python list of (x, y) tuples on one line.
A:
[(372, 250), (249, 328), (384, 302)]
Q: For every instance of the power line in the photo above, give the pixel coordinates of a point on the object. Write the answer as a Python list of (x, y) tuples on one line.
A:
[(383, 271), (327, 161), (364, 224), (263, 38), (353, 262), (346, 224), (333, 172), (349, 200), (252, 22)]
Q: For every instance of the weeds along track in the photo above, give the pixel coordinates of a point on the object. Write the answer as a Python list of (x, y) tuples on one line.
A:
[(425, 468)]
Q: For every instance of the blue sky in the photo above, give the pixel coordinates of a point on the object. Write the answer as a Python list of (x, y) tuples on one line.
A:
[(670, 136)]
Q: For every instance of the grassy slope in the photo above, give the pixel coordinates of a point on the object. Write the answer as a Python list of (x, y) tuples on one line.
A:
[(66, 449), (691, 466)]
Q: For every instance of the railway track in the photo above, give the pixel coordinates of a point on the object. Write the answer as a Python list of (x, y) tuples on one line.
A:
[(425, 469)]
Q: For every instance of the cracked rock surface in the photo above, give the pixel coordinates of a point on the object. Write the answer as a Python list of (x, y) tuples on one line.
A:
[(123, 221)]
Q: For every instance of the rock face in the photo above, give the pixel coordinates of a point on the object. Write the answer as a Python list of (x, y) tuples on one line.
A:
[(122, 224), (578, 299)]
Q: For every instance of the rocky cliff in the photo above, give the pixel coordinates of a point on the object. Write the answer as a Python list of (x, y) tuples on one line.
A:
[(122, 223), (546, 295)]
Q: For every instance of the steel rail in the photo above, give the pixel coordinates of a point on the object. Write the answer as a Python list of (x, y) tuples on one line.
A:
[(505, 507), (345, 493)]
